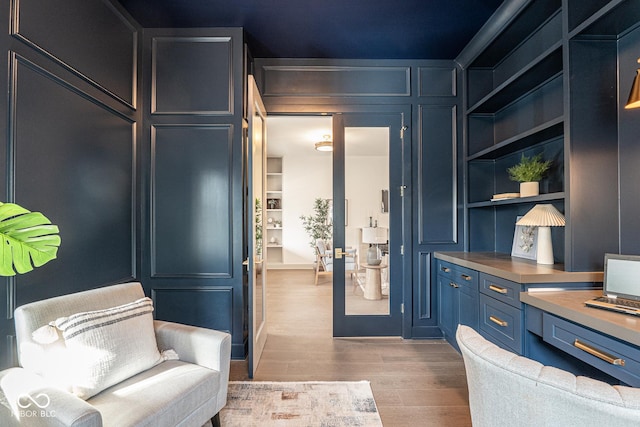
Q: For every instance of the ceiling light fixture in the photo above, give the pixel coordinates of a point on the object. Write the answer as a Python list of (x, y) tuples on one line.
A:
[(326, 145), (634, 96)]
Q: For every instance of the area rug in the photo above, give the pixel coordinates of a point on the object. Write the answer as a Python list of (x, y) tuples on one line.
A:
[(300, 404)]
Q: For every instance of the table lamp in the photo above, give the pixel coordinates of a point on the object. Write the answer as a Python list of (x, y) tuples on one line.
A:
[(374, 236), (544, 217)]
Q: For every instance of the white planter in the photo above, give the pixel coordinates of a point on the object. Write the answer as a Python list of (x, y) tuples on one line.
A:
[(528, 189)]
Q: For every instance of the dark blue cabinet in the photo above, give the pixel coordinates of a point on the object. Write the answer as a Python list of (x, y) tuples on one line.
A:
[(457, 299)]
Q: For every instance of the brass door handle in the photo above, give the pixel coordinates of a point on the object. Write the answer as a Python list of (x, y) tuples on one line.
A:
[(338, 253), (445, 269), (465, 277), (453, 285), (598, 353)]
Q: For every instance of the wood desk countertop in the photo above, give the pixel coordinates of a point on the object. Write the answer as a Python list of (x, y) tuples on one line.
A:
[(569, 305), (518, 269)]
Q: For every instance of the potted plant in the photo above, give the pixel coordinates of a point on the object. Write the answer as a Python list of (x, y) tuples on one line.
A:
[(29, 240), (528, 173), (318, 225)]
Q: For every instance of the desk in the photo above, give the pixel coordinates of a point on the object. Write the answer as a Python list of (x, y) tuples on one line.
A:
[(373, 281), (565, 319)]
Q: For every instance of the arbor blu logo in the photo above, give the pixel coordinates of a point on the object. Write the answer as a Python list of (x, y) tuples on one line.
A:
[(33, 406)]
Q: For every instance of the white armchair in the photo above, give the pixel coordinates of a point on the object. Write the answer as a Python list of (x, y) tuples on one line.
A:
[(187, 387), (510, 390)]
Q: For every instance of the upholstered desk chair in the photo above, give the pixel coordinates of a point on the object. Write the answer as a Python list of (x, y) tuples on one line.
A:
[(509, 390)]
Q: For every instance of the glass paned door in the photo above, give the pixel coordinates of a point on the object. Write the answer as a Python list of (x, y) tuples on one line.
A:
[(368, 226)]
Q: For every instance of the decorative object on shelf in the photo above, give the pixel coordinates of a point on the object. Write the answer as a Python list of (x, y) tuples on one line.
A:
[(273, 240), (543, 217), (634, 95), (274, 203), (374, 236), (318, 225), (524, 241), (277, 224), (504, 196), (326, 144), (528, 173)]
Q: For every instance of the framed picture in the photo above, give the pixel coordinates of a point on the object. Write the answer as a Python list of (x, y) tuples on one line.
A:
[(525, 241)]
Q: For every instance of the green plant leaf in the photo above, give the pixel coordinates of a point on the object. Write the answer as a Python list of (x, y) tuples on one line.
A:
[(529, 169), (28, 240)]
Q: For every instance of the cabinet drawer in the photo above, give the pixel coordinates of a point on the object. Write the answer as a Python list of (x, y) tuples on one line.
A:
[(618, 359), (458, 274), (501, 323), (501, 289)]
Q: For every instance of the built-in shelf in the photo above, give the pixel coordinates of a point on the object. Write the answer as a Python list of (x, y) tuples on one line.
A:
[(544, 68), (274, 190), (614, 18), (548, 130), (518, 200)]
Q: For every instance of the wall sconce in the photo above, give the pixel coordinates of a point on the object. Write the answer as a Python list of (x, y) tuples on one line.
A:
[(634, 96), (326, 145), (543, 217)]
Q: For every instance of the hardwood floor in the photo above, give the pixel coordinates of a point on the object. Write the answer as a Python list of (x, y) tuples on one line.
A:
[(414, 382)]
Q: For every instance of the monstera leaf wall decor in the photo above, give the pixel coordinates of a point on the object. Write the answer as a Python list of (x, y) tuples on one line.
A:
[(28, 240)]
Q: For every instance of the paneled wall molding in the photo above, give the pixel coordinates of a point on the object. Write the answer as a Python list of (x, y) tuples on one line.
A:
[(174, 80), (437, 175), (336, 81), (198, 306), (192, 201), (16, 60), (104, 172), (86, 51), (423, 309), (437, 81)]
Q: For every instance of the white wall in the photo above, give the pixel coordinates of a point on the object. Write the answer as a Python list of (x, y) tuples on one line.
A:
[(306, 177)]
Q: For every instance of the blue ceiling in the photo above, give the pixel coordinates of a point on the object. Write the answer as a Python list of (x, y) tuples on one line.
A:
[(343, 29)]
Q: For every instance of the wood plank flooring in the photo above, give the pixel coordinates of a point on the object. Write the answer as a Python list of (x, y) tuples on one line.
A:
[(414, 382)]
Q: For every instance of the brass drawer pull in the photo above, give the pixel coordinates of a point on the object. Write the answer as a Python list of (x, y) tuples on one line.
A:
[(445, 269), (465, 277), (498, 289), (498, 321), (453, 285), (598, 353)]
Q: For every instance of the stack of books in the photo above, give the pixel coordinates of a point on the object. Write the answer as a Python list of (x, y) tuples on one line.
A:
[(504, 196)]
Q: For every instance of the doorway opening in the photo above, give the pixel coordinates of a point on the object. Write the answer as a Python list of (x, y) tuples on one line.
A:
[(298, 175)]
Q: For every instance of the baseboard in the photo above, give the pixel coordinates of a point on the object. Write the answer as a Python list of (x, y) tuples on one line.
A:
[(282, 266)]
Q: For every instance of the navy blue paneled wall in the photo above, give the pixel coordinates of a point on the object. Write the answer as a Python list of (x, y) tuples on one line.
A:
[(70, 120), (192, 178)]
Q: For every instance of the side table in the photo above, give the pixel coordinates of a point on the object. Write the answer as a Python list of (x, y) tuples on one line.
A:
[(373, 281)]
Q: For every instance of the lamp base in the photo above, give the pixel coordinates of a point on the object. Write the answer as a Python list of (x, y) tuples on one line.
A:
[(544, 253)]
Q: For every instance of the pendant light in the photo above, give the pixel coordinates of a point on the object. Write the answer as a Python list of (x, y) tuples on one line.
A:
[(634, 96)]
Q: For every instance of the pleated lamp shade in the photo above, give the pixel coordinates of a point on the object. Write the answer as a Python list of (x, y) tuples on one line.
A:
[(543, 217)]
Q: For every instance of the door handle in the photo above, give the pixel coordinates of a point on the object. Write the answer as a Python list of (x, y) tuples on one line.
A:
[(338, 253)]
